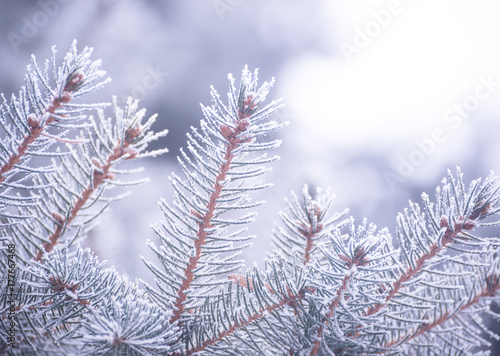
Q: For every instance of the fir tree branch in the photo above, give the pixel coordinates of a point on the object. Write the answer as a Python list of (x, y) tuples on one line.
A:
[(456, 213), (45, 101), (82, 179), (307, 224), (239, 324), (449, 237), (100, 175), (312, 229), (38, 124), (308, 220), (199, 239), (234, 140), (490, 290), (359, 259)]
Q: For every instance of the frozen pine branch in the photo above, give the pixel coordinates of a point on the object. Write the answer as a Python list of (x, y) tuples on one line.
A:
[(306, 224), (416, 299), (38, 123), (82, 177), (41, 116), (200, 240), (116, 331), (58, 203), (330, 287)]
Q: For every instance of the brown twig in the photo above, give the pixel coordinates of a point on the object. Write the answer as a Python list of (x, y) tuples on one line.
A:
[(232, 136), (480, 210), (58, 285), (331, 310), (309, 234), (489, 291), (310, 231), (359, 259), (34, 123), (289, 300), (434, 250), (99, 176)]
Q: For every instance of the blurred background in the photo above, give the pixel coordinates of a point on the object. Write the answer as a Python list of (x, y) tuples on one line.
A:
[(382, 96)]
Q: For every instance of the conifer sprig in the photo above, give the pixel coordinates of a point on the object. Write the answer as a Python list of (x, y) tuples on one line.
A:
[(45, 101), (37, 125), (442, 269), (306, 224), (108, 143), (198, 237)]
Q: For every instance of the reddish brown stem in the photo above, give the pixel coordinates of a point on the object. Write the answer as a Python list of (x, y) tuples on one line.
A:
[(309, 245), (60, 286), (98, 179), (36, 131), (234, 141), (419, 264), (434, 250), (36, 128), (333, 305), (290, 300), (489, 291), (309, 234)]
